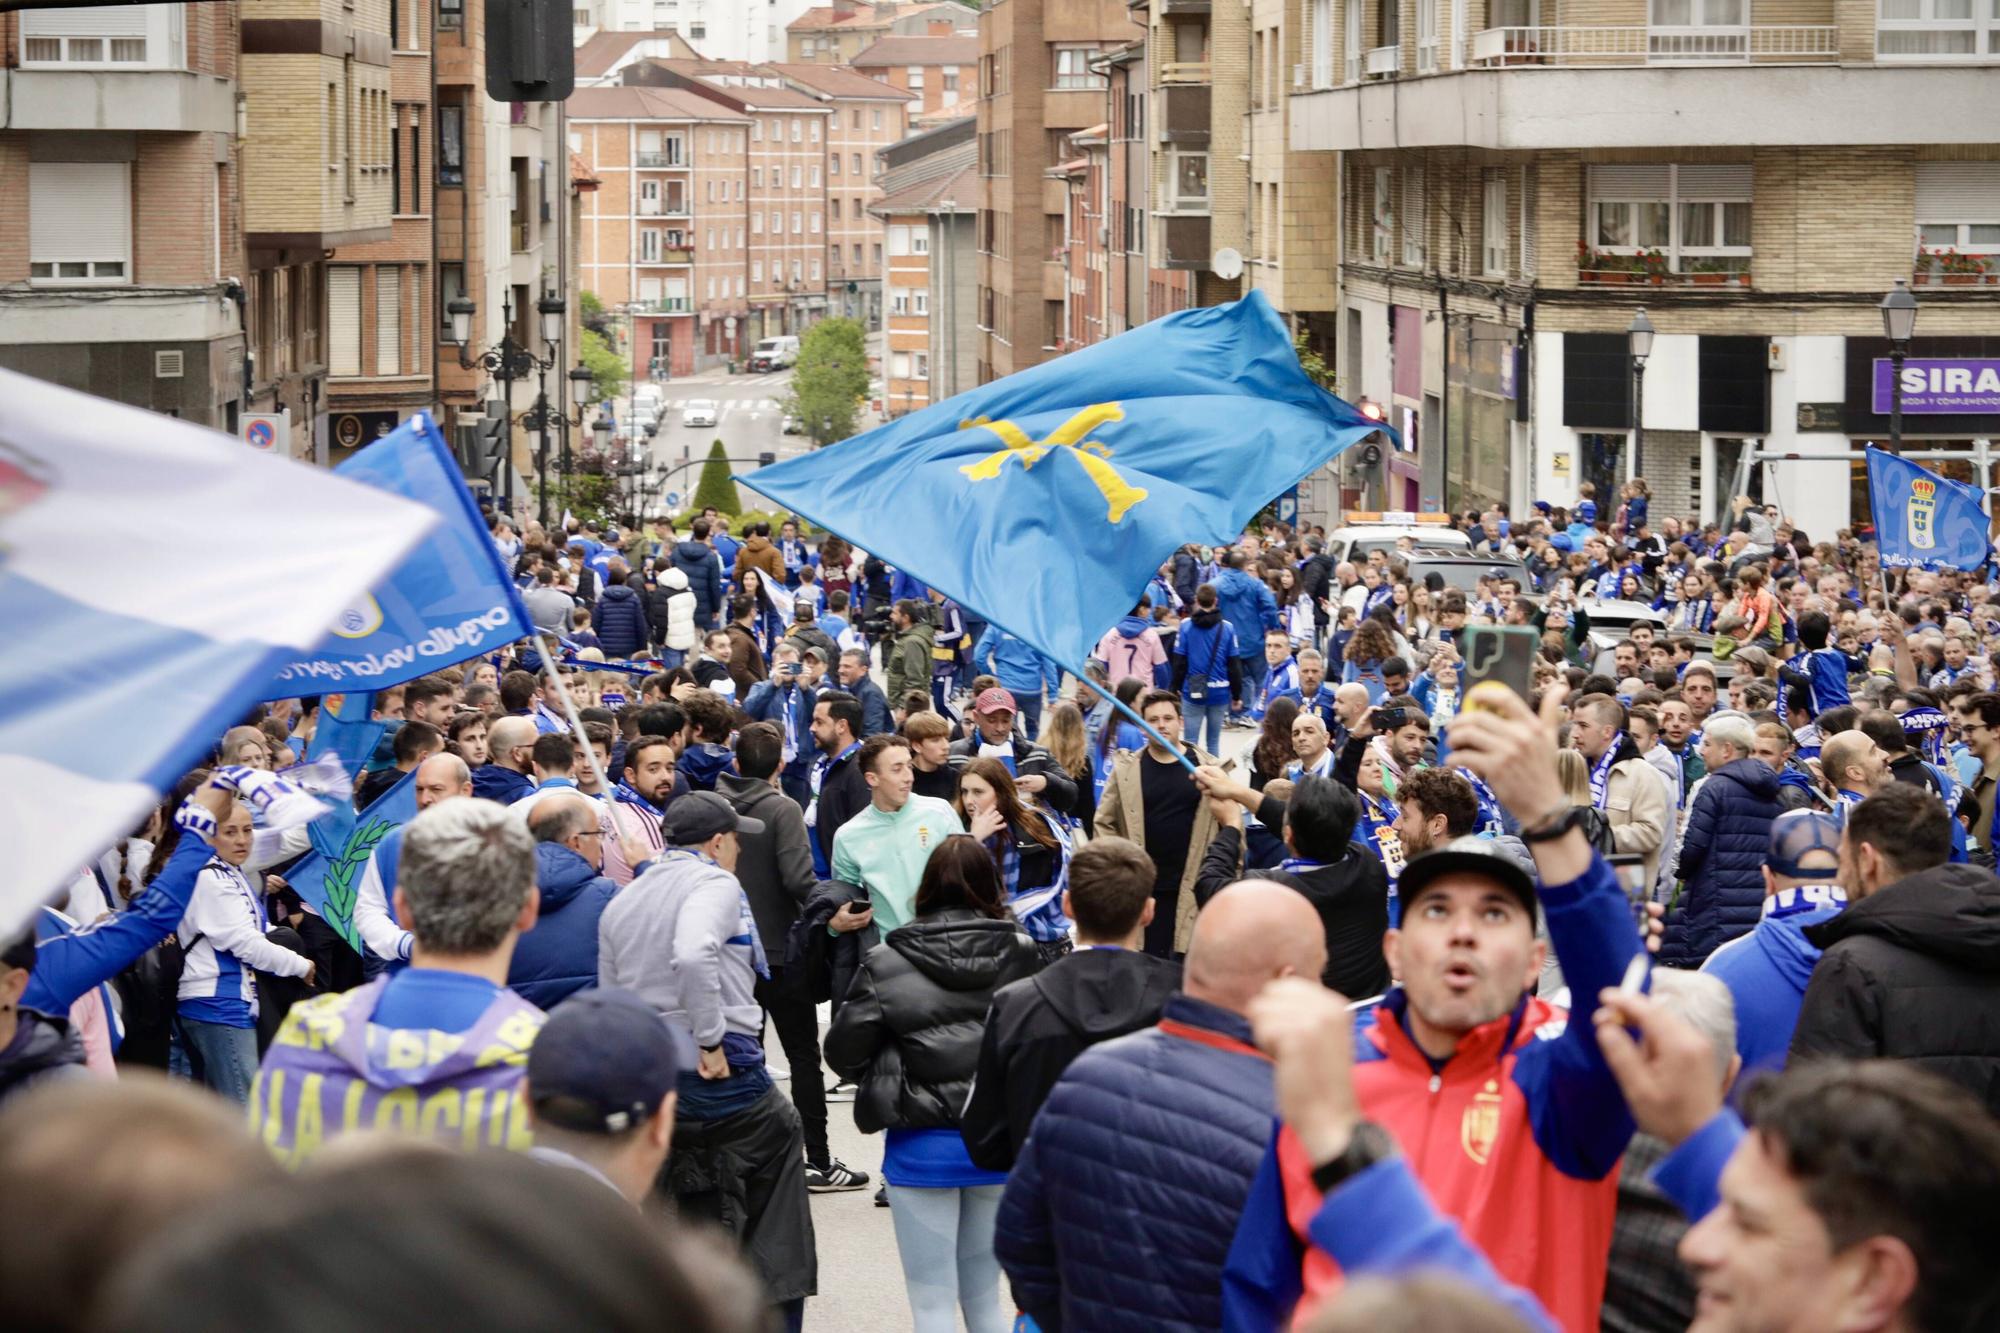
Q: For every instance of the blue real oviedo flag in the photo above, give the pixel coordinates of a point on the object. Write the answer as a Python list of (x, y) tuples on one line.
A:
[(1922, 520), (1048, 499), (452, 599)]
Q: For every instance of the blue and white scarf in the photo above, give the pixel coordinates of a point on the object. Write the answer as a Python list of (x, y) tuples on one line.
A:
[(629, 795), (1379, 596), (820, 767), (1600, 772), (1926, 726)]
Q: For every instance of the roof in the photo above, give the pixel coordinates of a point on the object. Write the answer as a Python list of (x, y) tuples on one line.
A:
[(580, 173), (635, 102), (961, 187), (602, 50), (716, 76), (894, 50), (864, 16), (839, 81)]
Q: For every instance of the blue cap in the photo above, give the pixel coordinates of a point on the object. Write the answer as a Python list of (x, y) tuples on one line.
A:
[(1797, 832), (603, 1062)]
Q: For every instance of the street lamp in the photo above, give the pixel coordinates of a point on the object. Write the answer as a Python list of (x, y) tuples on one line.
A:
[(508, 361), (551, 308), (1639, 341), (1899, 322), (580, 380), (461, 310)]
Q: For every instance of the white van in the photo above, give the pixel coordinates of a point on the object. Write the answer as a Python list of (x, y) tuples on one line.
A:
[(775, 353)]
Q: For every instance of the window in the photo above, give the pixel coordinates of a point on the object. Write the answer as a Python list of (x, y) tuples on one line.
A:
[(813, 130), (343, 319), (649, 197), (739, 284), (877, 249), (451, 286), (920, 368), (1493, 223), (797, 217), (876, 119), (1697, 216), (756, 224), (899, 365), (899, 240), (79, 221), (739, 188), (1427, 32), (1072, 67), (916, 77), (806, 47), (451, 15), (1350, 42), (708, 238), (834, 215), (857, 164), (757, 177), (756, 131), (899, 301), (118, 36), (795, 178), (833, 165), (649, 245), (777, 224), (1938, 29), (949, 97), (920, 301), (739, 236), (813, 270), (708, 287), (812, 177), (1186, 186), (812, 222), (757, 271), (798, 129), (388, 320), (797, 271), (920, 240), (1384, 231), (451, 144), (1413, 217), (1958, 206)]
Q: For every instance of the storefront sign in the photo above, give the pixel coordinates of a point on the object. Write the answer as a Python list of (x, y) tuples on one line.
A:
[(1953, 387)]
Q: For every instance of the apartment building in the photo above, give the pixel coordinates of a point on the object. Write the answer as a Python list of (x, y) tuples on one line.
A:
[(1136, 289), (1086, 238), (718, 29), (602, 57), (382, 329), (930, 191), (868, 115), (1764, 182), (835, 34), (664, 238), (1199, 57), (785, 285), (1037, 85), (122, 270), (940, 71)]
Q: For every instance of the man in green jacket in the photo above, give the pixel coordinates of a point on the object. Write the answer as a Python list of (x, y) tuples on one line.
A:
[(909, 652)]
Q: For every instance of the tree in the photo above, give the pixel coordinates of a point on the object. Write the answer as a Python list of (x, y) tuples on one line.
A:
[(591, 314), (607, 368), (830, 380), (718, 485)]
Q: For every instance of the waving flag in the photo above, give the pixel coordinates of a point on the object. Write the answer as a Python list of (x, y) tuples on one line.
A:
[(1047, 500), (451, 600), (1922, 520), (153, 576)]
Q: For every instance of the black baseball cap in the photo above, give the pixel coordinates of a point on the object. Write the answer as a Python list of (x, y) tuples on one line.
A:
[(1469, 855), (603, 1062), (700, 815)]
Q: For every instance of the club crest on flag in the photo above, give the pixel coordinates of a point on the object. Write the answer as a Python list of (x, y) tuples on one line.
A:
[(360, 620), (1923, 514)]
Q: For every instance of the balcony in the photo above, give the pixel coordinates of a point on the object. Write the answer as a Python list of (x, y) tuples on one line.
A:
[(669, 255), (1170, 8), (1184, 113), (517, 235), (1382, 61), (1186, 242), (1705, 45), (1185, 71), (669, 305), (1653, 269), (162, 100), (661, 162)]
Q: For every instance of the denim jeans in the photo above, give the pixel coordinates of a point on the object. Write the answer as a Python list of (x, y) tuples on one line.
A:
[(945, 1239), (219, 1057), (1254, 673), (1031, 714), (1207, 718)]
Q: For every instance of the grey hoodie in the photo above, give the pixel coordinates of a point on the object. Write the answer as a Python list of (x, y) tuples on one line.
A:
[(681, 937)]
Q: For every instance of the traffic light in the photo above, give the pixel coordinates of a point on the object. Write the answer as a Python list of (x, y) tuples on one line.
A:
[(481, 446), (766, 458), (530, 51)]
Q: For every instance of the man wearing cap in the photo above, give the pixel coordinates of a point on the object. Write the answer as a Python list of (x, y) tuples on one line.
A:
[(1507, 1110), (600, 1089), (1023, 672), (1767, 970), (992, 736), (683, 938)]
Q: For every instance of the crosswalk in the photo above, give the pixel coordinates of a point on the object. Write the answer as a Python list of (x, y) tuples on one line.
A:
[(756, 407)]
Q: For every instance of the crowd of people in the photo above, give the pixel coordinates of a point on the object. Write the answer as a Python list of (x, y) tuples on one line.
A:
[(1666, 997)]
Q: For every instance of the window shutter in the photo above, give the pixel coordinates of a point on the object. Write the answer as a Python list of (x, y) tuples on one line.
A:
[(343, 319), (388, 320), (1630, 182), (1715, 182), (1954, 191), (1530, 190), (93, 21), (79, 210)]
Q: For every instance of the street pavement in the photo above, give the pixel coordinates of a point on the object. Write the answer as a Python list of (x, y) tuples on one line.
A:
[(860, 1277)]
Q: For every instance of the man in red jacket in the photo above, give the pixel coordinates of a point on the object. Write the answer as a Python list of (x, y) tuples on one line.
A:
[(1506, 1111)]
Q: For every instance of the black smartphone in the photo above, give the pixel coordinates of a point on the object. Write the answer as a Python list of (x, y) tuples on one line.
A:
[(1388, 719), (1503, 653)]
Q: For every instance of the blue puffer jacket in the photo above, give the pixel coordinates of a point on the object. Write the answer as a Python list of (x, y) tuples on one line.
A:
[(559, 956), (1249, 607), (619, 621), (1121, 1208), (1722, 860)]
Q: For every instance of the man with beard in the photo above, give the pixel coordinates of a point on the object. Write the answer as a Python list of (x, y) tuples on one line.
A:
[(1622, 784)]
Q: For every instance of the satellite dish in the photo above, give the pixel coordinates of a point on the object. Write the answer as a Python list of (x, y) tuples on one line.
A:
[(1226, 263)]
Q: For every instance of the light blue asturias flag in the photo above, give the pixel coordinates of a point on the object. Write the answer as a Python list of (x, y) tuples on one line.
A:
[(1046, 501), (1922, 520), (451, 600)]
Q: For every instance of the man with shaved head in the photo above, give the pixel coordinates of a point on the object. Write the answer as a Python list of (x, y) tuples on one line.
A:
[(439, 778), (506, 776), (1854, 765), (1108, 1166)]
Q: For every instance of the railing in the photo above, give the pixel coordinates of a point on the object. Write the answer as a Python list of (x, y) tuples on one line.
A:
[(671, 305), (1184, 71), (1733, 274), (1382, 60), (651, 160), (669, 255), (1700, 45)]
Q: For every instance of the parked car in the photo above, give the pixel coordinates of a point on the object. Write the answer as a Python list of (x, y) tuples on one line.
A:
[(1371, 531), (793, 426), (1461, 569), (699, 412)]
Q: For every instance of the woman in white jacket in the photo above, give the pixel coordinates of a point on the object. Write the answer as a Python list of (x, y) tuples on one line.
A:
[(222, 940), (678, 634)]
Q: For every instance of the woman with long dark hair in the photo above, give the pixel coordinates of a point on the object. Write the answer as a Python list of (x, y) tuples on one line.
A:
[(1274, 743), (909, 1034), (1371, 646), (1029, 851)]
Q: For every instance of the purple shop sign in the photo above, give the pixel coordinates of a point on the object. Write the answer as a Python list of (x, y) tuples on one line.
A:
[(1953, 387)]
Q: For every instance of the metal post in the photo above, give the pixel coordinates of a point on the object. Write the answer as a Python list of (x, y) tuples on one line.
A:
[(1638, 417), (542, 453), (506, 358), (1897, 351)]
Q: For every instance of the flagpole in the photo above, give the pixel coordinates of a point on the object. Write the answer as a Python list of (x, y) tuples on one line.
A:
[(569, 710), (1111, 697)]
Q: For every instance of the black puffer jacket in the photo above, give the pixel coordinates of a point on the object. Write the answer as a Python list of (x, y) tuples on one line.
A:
[(1912, 972), (909, 1033)]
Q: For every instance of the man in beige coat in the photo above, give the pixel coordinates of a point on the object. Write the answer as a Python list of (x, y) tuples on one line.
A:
[(1622, 784), (1152, 800)]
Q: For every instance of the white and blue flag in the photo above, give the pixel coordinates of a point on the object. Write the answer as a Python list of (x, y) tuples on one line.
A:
[(154, 576)]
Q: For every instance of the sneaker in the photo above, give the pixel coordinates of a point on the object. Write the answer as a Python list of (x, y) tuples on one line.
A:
[(834, 1176), (841, 1091), (776, 1070), (882, 1197)]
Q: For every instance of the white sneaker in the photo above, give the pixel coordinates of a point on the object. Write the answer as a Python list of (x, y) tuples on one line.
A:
[(842, 1091)]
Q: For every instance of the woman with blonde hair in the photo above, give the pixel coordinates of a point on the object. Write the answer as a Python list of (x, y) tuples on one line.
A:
[(1574, 770), (1064, 737)]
